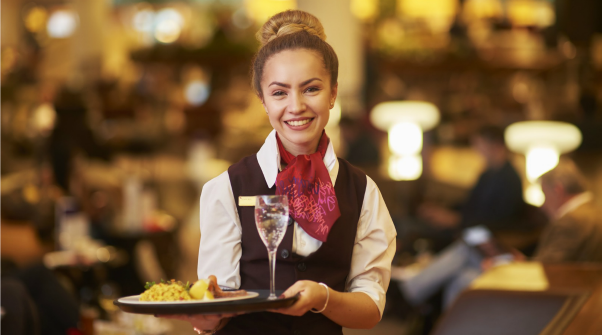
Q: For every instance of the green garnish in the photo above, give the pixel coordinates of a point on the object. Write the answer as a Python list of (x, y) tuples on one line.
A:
[(149, 285)]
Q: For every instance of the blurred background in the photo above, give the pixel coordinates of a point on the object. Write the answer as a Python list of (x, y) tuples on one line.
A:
[(114, 113)]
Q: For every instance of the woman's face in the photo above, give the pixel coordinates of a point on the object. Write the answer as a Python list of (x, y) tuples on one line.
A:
[(297, 96)]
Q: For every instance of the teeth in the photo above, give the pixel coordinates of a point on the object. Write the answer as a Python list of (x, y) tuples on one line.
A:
[(298, 123)]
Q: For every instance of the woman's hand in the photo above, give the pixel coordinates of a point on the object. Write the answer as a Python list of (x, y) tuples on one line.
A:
[(200, 321), (311, 295)]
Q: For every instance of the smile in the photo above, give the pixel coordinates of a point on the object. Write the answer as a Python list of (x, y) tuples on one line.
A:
[(299, 123)]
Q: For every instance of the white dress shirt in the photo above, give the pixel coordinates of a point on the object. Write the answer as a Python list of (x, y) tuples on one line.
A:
[(221, 231)]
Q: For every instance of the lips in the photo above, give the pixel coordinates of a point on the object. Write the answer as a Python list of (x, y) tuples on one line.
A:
[(299, 124)]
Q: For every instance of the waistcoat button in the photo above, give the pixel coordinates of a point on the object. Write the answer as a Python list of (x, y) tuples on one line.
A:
[(302, 267), (284, 253)]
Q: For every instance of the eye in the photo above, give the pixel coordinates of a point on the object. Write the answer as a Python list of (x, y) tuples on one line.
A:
[(312, 89), (278, 93)]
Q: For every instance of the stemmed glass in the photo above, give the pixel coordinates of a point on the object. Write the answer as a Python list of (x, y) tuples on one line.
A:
[(271, 217)]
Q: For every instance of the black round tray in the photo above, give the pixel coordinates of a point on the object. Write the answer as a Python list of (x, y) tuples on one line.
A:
[(257, 304)]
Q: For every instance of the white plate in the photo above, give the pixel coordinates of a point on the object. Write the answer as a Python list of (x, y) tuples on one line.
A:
[(135, 300)]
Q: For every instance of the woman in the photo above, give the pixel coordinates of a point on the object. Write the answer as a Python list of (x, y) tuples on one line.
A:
[(338, 252)]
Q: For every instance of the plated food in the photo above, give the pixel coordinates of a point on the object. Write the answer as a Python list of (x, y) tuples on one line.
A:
[(202, 289)]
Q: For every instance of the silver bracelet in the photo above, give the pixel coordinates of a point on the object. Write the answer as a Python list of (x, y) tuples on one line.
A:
[(327, 297)]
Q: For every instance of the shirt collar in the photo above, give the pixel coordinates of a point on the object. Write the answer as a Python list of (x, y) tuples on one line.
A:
[(573, 204), (269, 159)]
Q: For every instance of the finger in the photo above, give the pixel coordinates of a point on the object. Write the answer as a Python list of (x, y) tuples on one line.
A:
[(292, 291)]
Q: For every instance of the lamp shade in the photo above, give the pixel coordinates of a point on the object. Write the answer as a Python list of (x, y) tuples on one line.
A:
[(387, 114), (522, 136)]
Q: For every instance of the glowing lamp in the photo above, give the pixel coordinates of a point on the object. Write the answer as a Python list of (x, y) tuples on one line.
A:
[(168, 25), (61, 24), (405, 121), (541, 142)]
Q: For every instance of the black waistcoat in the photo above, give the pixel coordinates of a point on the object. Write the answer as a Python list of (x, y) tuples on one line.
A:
[(330, 264)]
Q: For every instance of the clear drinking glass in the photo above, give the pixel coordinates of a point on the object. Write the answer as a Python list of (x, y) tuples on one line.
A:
[(271, 217)]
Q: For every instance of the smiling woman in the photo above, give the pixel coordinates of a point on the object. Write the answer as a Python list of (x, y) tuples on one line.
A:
[(297, 98), (336, 257)]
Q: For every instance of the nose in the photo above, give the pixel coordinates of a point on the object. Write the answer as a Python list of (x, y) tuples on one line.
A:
[(296, 103)]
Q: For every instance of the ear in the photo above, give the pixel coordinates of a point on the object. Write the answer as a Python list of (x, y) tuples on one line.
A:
[(334, 91)]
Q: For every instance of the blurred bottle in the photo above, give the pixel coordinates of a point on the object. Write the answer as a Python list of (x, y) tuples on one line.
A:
[(72, 224)]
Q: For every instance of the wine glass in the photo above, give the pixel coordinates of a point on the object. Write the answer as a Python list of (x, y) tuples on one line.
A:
[(271, 217)]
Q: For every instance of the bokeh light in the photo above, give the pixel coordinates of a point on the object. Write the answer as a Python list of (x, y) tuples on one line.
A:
[(405, 138), (197, 92), (62, 23)]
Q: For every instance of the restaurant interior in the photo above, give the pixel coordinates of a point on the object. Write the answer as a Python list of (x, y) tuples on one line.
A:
[(115, 113)]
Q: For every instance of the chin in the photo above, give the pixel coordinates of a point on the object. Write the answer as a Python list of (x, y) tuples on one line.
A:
[(300, 138)]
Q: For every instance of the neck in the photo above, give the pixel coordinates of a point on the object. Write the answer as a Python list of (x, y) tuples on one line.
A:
[(300, 149)]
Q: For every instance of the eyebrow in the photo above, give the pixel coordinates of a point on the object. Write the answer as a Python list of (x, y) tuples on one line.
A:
[(289, 86)]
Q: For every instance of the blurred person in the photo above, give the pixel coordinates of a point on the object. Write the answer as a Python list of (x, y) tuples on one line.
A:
[(575, 231), (71, 135), (19, 313), (496, 200), (34, 292), (573, 235)]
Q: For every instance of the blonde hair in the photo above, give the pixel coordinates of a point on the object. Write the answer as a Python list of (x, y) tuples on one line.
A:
[(289, 30)]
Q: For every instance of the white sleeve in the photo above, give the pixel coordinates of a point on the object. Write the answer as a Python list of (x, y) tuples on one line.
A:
[(374, 248), (220, 248)]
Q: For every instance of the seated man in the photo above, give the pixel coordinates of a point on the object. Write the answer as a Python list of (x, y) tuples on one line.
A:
[(496, 200), (574, 235)]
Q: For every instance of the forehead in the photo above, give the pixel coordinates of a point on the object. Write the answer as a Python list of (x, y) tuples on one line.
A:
[(296, 64)]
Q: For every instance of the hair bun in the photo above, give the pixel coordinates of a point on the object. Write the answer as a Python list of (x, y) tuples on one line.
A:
[(290, 22)]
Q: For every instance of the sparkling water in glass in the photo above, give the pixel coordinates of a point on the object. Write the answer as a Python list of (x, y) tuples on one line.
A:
[(271, 217)]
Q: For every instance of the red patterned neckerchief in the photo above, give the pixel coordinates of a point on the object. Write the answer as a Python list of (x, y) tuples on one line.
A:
[(305, 181)]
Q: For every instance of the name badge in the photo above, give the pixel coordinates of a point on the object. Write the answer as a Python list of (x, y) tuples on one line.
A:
[(246, 201)]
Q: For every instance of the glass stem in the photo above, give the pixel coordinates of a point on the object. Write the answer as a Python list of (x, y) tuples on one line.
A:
[(272, 255)]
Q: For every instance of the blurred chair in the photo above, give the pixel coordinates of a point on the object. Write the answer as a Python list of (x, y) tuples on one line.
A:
[(528, 298), (495, 312)]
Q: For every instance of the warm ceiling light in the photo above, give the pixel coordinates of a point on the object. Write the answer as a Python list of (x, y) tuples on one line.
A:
[(539, 13), (387, 114), (62, 23), (143, 20), (405, 121), (168, 25), (438, 14), (541, 142), (522, 136)]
